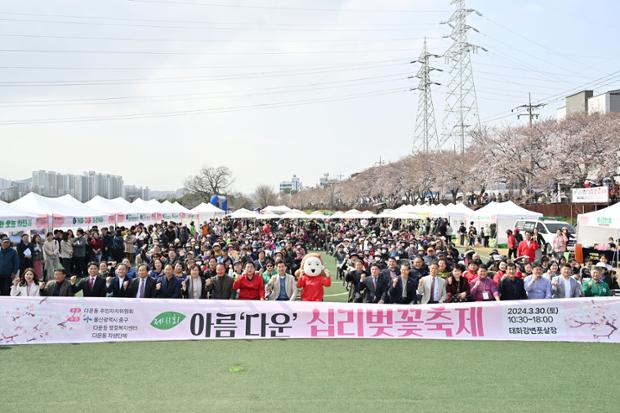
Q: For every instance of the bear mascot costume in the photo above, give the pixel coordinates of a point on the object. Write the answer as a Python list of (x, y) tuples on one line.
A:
[(313, 277)]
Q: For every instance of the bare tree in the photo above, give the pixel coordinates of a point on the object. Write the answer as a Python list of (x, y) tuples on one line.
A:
[(210, 181), (264, 195)]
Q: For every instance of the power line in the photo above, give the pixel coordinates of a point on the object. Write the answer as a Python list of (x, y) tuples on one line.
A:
[(210, 53), (213, 27), (106, 82), (178, 97), (201, 40), (371, 63), (263, 7), (283, 104)]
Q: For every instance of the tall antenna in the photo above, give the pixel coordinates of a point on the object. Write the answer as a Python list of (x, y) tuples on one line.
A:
[(461, 111), (425, 138)]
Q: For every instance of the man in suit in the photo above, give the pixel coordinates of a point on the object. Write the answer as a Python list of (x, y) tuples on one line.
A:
[(91, 286), (432, 288), (168, 285), (117, 286), (142, 286), (220, 287), (391, 272), (58, 287), (282, 286), (565, 286), (408, 294), (373, 288)]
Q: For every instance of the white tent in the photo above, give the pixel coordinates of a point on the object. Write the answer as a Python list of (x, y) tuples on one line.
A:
[(456, 214), (268, 215), (207, 211), (295, 215), (276, 209), (318, 215), (243, 214), (14, 220), (66, 211), (597, 226), (503, 214)]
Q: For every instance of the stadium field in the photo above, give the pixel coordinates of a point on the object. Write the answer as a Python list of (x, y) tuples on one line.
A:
[(311, 376)]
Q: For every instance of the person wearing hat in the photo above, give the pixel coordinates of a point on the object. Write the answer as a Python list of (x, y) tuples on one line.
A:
[(9, 265)]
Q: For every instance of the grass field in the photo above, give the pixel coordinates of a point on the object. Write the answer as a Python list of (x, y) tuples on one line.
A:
[(311, 376)]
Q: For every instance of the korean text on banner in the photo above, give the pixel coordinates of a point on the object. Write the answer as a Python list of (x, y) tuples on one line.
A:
[(33, 320)]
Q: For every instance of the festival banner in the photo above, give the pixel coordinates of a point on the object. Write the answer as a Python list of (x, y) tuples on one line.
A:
[(35, 320), (598, 194)]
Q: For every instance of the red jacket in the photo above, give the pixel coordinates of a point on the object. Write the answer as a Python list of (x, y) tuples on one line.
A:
[(470, 275), (313, 287), (253, 289), (528, 249), (512, 242)]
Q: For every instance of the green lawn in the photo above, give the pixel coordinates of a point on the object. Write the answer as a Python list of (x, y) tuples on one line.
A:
[(311, 376)]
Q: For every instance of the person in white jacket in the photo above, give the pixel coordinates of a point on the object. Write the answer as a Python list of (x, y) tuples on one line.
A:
[(28, 286)]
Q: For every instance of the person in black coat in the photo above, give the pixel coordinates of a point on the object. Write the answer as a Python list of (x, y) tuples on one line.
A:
[(25, 251), (149, 291), (91, 286), (395, 292), (352, 278), (511, 287), (117, 286), (168, 285), (374, 288), (392, 271)]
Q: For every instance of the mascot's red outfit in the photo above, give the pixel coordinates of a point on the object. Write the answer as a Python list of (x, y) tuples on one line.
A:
[(313, 279)]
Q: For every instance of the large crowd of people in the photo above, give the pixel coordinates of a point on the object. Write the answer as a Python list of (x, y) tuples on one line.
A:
[(377, 260)]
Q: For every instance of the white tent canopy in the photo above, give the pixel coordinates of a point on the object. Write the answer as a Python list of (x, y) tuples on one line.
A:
[(243, 214), (276, 209), (66, 211), (597, 226), (207, 211), (456, 214), (503, 214), (13, 219)]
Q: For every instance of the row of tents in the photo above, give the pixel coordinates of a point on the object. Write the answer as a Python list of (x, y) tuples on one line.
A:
[(34, 211), (37, 212)]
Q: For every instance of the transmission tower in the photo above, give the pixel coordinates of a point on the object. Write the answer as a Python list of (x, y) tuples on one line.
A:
[(426, 138), (461, 110)]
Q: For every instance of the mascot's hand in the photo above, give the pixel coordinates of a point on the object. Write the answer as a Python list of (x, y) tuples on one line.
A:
[(326, 271)]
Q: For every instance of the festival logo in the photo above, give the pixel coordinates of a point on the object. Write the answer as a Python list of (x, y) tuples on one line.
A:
[(167, 320)]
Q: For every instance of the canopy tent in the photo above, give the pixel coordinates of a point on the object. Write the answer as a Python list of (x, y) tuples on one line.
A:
[(503, 214), (206, 211), (318, 215), (268, 216), (66, 211), (276, 209), (456, 214), (243, 214), (295, 215), (15, 220), (596, 227)]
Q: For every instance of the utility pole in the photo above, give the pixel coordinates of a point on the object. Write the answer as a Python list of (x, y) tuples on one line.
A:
[(381, 162), (461, 113), (529, 108), (425, 138)]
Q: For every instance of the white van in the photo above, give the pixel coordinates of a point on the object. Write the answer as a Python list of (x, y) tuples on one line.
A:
[(548, 229)]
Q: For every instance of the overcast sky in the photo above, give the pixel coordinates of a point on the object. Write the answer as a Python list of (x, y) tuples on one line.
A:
[(268, 88)]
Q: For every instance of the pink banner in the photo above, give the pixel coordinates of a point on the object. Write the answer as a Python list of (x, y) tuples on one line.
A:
[(32, 320)]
